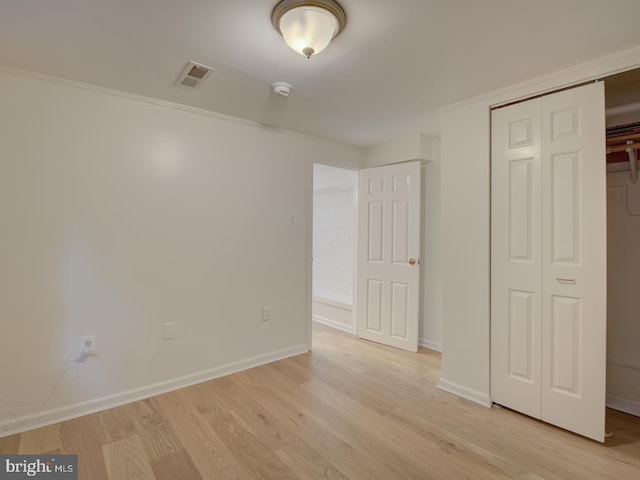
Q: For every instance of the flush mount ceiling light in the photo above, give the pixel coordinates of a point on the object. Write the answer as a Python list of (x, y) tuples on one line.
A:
[(308, 26)]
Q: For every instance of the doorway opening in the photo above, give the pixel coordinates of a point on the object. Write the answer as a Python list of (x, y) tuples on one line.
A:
[(334, 247), (622, 97)]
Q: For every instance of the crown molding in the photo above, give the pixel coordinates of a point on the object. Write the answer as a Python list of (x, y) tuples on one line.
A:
[(592, 70), (168, 104)]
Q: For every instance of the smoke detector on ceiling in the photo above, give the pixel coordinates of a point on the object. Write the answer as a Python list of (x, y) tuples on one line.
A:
[(281, 88), (194, 74)]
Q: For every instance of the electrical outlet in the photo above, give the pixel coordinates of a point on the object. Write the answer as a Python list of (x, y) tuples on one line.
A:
[(266, 313), (88, 345)]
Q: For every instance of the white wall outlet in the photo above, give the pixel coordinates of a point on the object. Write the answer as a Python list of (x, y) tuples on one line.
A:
[(88, 345), (168, 331), (266, 313), (293, 219)]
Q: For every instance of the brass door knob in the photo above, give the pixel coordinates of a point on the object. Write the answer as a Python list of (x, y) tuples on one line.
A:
[(412, 261)]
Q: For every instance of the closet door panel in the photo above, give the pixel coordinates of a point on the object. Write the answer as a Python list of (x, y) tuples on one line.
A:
[(565, 208), (516, 258), (566, 326), (574, 260)]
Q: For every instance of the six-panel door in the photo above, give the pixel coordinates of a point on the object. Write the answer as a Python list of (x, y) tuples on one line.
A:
[(516, 253), (389, 247), (574, 260)]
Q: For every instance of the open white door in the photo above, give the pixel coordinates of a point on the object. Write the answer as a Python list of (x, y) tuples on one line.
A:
[(388, 251), (548, 291)]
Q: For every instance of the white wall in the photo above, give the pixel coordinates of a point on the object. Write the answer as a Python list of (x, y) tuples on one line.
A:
[(466, 223), (465, 252), (427, 149), (410, 147), (119, 214), (431, 249), (623, 276)]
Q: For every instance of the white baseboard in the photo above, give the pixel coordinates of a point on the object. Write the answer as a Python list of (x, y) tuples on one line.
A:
[(332, 323), (333, 303), (15, 425), (466, 393), (632, 407), (435, 346)]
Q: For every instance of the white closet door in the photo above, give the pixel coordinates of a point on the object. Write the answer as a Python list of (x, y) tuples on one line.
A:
[(388, 255), (574, 260), (548, 317), (516, 255)]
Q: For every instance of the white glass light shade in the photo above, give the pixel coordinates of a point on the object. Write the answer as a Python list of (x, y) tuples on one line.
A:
[(308, 30)]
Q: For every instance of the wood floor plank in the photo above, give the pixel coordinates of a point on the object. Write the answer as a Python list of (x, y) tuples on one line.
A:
[(43, 440), (209, 453), (373, 450), (117, 424), (356, 387), (82, 437), (175, 466), (459, 448), (624, 429), (401, 448), (126, 459), (154, 429), (256, 458), (284, 433), (225, 394), (205, 399), (233, 415), (10, 445), (352, 461), (309, 466), (516, 436), (349, 409)]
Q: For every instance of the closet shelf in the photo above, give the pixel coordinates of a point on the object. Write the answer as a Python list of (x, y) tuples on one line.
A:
[(623, 148), (620, 139)]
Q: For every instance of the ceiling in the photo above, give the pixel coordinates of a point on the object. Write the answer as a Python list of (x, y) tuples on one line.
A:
[(383, 78)]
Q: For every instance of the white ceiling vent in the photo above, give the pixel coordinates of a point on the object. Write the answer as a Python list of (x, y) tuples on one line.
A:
[(194, 74)]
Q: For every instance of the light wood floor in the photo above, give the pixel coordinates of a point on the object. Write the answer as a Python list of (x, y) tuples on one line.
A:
[(350, 409)]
